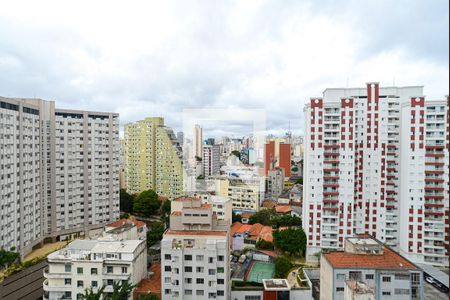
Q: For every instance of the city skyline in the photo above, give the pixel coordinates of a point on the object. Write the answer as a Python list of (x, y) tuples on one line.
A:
[(149, 63)]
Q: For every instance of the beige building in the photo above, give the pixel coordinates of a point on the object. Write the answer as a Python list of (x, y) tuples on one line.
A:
[(153, 158)]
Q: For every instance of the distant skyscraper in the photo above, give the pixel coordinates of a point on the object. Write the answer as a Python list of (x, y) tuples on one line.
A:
[(277, 154), (152, 158), (376, 161), (198, 141), (211, 160), (59, 174)]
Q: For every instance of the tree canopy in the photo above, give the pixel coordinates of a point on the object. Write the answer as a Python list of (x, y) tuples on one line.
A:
[(7, 257), (235, 217), (290, 240), (155, 233), (146, 204), (126, 201), (282, 266), (269, 217), (236, 153)]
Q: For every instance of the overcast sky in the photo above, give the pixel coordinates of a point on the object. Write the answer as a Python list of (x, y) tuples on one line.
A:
[(157, 58)]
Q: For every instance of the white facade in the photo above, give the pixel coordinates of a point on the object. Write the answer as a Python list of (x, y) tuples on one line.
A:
[(275, 183), (356, 168), (59, 172), (195, 253), (92, 264), (368, 270), (211, 160)]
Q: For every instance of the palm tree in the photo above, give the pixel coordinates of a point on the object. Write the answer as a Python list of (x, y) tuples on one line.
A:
[(89, 294)]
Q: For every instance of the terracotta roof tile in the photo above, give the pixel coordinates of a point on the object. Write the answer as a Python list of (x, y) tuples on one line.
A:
[(283, 209), (388, 260), (122, 222), (152, 284)]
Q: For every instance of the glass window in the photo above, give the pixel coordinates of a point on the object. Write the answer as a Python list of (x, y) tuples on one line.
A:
[(199, 292), (109, 269), (369, 276), (94, 271), (80, 283), (167, 257), (188, 269), (188, 292), (109, 282), (200, 281), (124, 270), (188, 257), (67, 281), (68, 268), (80, 270), (339, 289), (94, 283), (167, 268), (386, 279)]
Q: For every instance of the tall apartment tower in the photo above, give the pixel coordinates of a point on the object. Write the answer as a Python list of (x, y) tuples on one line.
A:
[(198, 141), (277, 154), (195, 253), (153, 158), (211, 160), (376, 162), (59, 174)]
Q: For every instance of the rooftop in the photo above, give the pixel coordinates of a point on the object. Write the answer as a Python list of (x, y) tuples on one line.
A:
[(388, 260), (152, 284), (122, 222), (275, 284), (193, 232), (283, 209)]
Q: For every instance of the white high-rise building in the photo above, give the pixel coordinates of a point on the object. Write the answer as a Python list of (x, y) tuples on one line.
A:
[(60, 172), (376, 162), (85, 264), (195, 253), (211, 160), (198, 141)]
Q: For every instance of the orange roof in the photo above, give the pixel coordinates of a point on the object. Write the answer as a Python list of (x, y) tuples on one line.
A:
[(192, 232), (268, 252), (388, 260), (282, 209), (176, 213), (244, 228), (256, 229), (122, 222), (269, 203), (235, 227), (266, 234), (152, 284)]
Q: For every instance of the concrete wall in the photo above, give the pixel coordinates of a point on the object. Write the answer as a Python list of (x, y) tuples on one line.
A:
[(25, 285)]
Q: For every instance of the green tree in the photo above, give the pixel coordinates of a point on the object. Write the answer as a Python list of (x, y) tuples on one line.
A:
[(264, 245), (155, 233), (166, 209), (235, 217), (282, 266), (236, 153), (7, 257), (286, 220), (89, 294), (263, 217), (121, 291), (299, 181), (126, 201), (147, 203), (290, 240)]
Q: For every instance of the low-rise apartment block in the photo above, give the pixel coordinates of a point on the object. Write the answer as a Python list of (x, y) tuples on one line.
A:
[(367, 269), (93, 264), (195, 253)]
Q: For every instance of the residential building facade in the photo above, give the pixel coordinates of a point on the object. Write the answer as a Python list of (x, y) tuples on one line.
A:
[(195, 253), (275, 183), (59, 175), (211, 160), (93, 264), (367, 269), (376, 161), (277, 154), (153, 158)]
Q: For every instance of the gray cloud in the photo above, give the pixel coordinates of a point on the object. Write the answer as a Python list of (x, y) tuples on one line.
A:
[(145, 59)]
